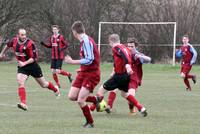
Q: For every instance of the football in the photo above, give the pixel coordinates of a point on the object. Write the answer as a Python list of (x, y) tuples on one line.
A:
[(102, 105)]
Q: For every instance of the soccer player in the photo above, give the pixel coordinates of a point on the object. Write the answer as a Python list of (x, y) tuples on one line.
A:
[(188, 55), (88, 76), (120, 76), (26, 56), (58, 44), (136, 78)]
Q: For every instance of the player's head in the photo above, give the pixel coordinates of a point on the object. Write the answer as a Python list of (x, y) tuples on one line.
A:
[(77, 28), (185, 39), (132, 44), (113, 39), (55, 29), (22, 34)]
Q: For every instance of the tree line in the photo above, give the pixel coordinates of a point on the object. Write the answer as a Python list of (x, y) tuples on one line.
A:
[(156, 40)]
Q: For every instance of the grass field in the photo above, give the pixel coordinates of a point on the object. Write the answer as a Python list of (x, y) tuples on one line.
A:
[(171, 109)]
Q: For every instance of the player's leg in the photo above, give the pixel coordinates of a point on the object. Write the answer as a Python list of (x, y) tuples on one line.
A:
[(132, 87), (21, 78), (133, 100), (132, 108), (73, 93), (185, 69), (55, 77), (111, 98), (45, 84), (62, 72), (75, 88), (190, 76), (83, 94), (54, 72), (186, 81)]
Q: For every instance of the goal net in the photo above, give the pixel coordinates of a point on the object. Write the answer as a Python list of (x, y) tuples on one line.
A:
[(157, 39)]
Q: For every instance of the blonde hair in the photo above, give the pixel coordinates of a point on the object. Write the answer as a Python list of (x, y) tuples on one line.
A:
[(114, 38)]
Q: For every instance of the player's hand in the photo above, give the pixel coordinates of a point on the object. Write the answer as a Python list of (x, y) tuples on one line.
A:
[(42, 43), (68, 59), (129, 69), (21, 64), (137, 56)]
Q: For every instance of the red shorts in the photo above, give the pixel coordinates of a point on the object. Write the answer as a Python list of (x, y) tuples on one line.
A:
[(89, 80), (134, 83), (186, 69)]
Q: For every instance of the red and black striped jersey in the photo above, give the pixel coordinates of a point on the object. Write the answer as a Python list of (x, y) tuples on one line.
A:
[(57, 44), (122, 56), (23, 50)]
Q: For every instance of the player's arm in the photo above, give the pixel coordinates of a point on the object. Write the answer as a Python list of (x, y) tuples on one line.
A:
[(112, 73), (65, 44), (46, 45), (7, 46), (178, 53), (194, 57), (88, 53), (2, 54), (143, 58)]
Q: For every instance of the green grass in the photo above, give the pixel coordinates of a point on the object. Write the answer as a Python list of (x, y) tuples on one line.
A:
[(171, 109)]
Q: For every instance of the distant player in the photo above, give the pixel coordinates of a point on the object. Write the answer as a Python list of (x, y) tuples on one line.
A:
[(136, 78), (58, 44), (188, 55), (88, 76), (120, 78), (26, 56)]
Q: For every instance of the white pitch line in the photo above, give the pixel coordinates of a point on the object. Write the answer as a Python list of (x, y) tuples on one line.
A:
[(191, 94), (7, 105)]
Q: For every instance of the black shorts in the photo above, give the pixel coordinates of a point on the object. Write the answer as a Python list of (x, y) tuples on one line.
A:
[(120, 81), (31, 69), (56, 63)]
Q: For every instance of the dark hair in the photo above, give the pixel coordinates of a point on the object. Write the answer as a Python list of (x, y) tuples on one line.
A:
[(133, 40), (78, 27)]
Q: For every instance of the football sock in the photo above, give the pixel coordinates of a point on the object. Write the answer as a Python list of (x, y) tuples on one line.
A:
[(87, 114), (111, 98), (187, 83), (133, 100), (189, 76), (22, 94), (52, 87), (65, 73), (55, 77), (131, 106), (91, 99), (92, 107)]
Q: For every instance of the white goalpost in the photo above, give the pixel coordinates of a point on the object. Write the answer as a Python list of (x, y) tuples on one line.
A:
[(141, 23)]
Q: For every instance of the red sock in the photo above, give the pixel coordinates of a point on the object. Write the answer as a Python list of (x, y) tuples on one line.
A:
[(52, 87), (131, 106), (55, 77), (22, 94), (65, 73), (187, 83), (133, 100), (87, 114), (111, 98), (92, 107), (91, 99), (189, 76)]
